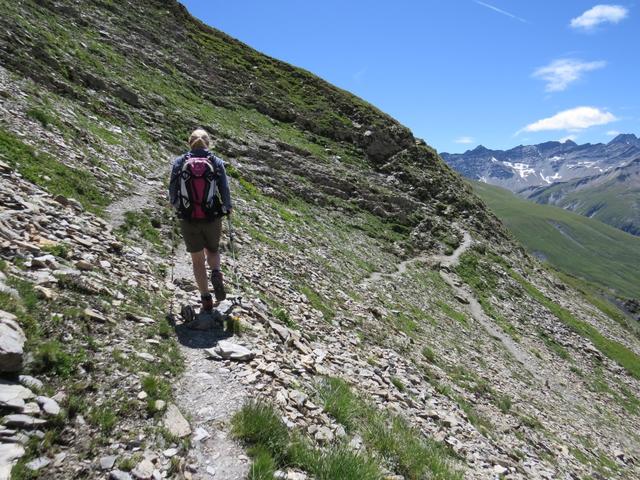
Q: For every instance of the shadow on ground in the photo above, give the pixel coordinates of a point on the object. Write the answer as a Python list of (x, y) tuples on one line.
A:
[(199, 333)]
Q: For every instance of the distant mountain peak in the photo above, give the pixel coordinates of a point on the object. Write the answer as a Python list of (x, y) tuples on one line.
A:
[(629, 138), (480, 149)]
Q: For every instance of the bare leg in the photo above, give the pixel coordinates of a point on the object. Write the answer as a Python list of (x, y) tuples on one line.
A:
[(214, 259), (200, 272)]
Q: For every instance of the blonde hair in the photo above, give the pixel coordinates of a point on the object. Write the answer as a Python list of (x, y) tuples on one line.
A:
[(199, 139)]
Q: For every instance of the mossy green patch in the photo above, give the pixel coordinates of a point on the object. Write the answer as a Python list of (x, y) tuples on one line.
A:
[(51, 174)]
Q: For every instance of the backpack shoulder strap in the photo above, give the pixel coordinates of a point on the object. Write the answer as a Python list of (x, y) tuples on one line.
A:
[(214, 163)]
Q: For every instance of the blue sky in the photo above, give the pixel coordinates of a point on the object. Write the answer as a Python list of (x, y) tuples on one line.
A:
[(461, 72)]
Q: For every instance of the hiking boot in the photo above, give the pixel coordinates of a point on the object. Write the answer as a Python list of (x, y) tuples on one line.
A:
[(218, 285), (207, 303)]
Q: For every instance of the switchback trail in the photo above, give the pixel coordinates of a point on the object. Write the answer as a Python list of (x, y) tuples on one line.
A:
[(446, 264)]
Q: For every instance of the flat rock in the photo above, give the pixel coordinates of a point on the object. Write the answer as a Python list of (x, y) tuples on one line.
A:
[(450, 421), (48, 405), (145, 356), (30, 382), (13, 396), (84, 265), (12, 340), (233, 351), (175, 422), (200, 434), (44, 261), (91, 314), (170, 452), (323, 435), (38, 463), (461, 299), (22, 421), (282, 331), (140, 319), (107, 463), (31, 408), (119, 475), (298, 397), (144, 470)]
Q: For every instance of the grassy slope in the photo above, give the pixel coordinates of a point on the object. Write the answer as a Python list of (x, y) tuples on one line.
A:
[(613, 202), (576, 245)]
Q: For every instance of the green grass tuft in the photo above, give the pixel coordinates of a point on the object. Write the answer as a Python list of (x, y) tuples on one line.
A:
[(410, 453), (272, 445), (429, 354), (318, 302), (51, 356), (38, 114), (258, 424)]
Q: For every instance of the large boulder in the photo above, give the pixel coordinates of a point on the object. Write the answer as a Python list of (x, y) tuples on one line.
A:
[(12, 340)]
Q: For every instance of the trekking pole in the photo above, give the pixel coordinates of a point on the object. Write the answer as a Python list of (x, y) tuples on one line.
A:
[(233, 256), (173, 261)]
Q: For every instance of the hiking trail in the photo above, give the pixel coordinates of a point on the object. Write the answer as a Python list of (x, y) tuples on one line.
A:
[(207, 393)]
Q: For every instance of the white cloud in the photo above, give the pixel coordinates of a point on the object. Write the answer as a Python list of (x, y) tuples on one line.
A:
[(560, 73), (499, 10), (573, 119), (465, 140), (613, 133), (567, 138), (599, 14)]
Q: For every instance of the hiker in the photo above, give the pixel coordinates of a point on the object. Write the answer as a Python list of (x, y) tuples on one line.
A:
[(199, 192)]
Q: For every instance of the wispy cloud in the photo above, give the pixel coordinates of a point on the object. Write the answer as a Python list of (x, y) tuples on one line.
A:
[(499, 10), (613, 133), (465, 140), (599, 14), (359, 75), (560, 73), (574, 119)]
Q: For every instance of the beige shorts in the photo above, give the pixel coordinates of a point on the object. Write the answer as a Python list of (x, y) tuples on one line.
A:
[(200, 235)]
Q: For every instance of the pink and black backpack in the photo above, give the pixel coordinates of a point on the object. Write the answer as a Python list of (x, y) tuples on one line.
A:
[(197, 189)]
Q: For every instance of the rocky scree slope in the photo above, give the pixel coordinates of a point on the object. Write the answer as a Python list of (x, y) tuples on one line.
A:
[(541, 383)]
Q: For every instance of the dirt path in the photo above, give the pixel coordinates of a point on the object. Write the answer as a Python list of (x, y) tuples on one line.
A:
[(142, 198), (207, 394)]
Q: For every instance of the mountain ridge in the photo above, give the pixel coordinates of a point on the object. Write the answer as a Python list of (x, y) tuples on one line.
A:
[(526, 166)]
